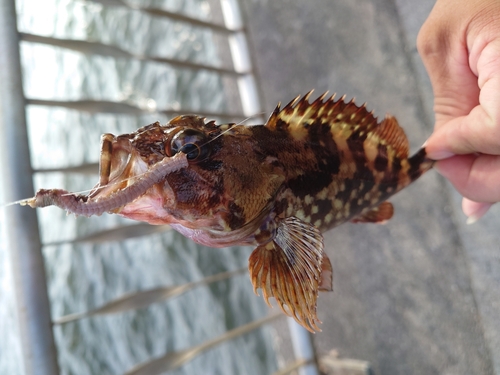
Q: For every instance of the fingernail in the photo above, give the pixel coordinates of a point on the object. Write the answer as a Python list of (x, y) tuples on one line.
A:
[(439, 155), (472, 219)]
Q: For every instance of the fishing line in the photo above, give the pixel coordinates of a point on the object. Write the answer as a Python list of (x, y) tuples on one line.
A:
[(20, 201)]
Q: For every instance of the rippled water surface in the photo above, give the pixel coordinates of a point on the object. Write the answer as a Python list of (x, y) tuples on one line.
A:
[(84, 276)]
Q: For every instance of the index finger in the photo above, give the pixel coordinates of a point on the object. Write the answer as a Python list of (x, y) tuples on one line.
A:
[(474, 133)]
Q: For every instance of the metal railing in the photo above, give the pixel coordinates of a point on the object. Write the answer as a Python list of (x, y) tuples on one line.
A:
[(23, 239)]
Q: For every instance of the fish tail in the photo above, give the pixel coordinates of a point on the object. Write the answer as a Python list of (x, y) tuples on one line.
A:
[(419, 164)]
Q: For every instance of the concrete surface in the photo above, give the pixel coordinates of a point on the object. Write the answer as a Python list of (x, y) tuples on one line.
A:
[(420, 295)]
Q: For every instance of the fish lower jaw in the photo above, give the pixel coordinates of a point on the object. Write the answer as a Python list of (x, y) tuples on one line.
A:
[(148, 212), (150, 208)]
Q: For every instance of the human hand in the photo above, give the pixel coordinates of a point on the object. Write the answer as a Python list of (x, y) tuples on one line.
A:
[(460, 46)]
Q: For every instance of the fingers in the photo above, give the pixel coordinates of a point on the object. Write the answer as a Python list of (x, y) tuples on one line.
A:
[(460, 47), (476, 177)]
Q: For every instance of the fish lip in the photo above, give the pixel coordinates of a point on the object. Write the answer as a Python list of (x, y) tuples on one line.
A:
[(118, 163)]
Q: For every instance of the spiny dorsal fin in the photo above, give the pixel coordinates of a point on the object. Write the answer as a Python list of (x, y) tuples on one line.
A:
[(342, 116), (290, 269), (379, 214)]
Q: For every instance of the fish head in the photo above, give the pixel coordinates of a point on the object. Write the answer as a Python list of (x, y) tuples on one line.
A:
[(227, 185)]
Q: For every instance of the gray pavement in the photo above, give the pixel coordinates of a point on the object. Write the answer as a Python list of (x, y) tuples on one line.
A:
[(420, 295)]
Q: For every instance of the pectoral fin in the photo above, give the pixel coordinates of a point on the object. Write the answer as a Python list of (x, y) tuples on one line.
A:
[(293, 268), (379, 214)]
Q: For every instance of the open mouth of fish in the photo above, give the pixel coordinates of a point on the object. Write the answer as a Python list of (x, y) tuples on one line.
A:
[(119, 166), (123, 177)]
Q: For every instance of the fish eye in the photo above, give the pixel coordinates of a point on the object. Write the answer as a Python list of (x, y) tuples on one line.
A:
[(192, 142)]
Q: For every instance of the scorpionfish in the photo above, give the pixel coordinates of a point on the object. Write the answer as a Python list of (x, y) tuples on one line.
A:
[(277, 186)]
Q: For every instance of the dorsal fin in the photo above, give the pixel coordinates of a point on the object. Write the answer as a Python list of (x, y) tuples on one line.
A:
[(342, 116)]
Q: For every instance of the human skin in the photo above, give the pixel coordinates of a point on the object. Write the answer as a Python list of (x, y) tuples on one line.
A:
[(460, 46)]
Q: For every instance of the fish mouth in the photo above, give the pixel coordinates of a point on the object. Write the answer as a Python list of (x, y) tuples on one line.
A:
[(119, 164)]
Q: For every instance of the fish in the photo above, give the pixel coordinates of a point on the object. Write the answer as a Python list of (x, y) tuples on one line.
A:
[(277, 187)]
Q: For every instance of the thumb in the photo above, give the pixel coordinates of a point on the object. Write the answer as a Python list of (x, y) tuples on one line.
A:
[(443, 48), (478, 130)]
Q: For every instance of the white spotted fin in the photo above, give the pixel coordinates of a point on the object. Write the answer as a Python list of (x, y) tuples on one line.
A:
[(292, 268)]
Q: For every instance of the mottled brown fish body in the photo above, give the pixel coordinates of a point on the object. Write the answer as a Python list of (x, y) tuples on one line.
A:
[(339, 161), (277, 186)]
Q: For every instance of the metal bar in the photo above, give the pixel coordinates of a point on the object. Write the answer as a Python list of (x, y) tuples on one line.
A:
[(106, 106), (303, 347), (164, 13), (90, 168), (240, 53), (116, 234), (144, 298), (22, 237), (95, 48), (172, 361)]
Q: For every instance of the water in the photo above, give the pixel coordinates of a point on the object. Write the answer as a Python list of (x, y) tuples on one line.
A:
[(84, 276)]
